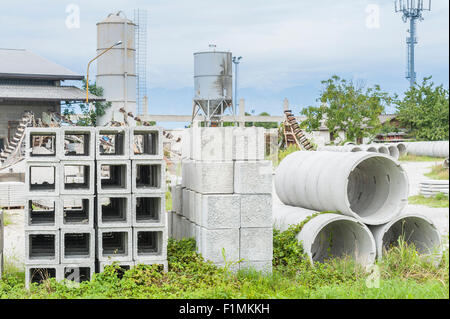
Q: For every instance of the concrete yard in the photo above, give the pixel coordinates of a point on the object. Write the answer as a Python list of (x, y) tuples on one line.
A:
[(15, 241)]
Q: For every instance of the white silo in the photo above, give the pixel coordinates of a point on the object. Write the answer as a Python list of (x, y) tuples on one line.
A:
[(213, 83), (116, 69)]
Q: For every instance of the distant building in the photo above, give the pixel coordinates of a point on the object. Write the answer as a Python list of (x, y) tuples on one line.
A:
[(29, 82)]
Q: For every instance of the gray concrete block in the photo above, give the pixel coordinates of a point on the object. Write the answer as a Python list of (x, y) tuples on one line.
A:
[(186, 173), (42, 213), (176, 198), (76, 211), (169, 223), (115, 143), (39, 272), (146, 142), (114, 176), (77, 143), (176, 226), (148, 176), (248, 143), (42, 178), (114, 210), (253, 177), (220, 211), (77, 245), (162, 263), (214, 242), (115, 244), (149, 244), (261, 266), (213, 177), (211, 143), (186, 144), (256, 211), (77, 177), (192, 206), (42, 247), (256, 244), (126, 265), (46, 146), (78, 272), (198, 209), (233, 268), (186, 206), (148, 210)]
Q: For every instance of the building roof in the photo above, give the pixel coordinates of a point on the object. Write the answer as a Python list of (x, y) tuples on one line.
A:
[(44, 93), (19, 63)]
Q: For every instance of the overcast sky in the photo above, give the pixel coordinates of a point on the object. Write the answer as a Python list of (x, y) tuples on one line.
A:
[(288, 46)]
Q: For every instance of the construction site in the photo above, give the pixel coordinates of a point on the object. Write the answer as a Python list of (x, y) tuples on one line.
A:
[(108, 190)]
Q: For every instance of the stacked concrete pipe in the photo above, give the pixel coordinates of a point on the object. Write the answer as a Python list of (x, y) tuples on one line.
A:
[(369, 148), (370, 187), (433, 149), (393, 151), (416, 229), (345, 148), (328, 235), (401, 148)]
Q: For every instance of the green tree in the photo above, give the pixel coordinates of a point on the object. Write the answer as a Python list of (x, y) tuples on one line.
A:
[(425, 111), (266, 125), (347, 106), (90, 116)]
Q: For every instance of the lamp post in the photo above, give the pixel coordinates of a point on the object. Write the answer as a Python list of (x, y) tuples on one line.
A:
[(236, 61), (89, 64)]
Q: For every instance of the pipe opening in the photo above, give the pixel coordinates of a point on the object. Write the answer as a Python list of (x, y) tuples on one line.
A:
[(415, 231), (343, 238), (383, 150), (393, 151), (401, 149), (376, 190)]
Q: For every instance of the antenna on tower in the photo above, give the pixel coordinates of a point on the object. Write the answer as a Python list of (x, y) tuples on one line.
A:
[(140, 19), (412, 11)]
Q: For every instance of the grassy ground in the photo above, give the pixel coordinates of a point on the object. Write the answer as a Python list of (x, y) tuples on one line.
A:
[(402, 274), (6, 219), (168, 201), (438, 172), (438, 201), (415, 158)]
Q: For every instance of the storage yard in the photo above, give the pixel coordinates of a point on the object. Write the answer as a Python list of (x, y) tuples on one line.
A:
[(107, 202)]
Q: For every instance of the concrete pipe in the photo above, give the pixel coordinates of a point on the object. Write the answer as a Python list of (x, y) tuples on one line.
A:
[(345, 148), (401, 149), (433, 149), (393, 151), (382, 149), (415, 228), (369, 148), (328, 235), (371, 187)]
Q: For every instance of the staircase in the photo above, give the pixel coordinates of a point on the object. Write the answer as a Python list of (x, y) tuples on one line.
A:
[(293, 134)]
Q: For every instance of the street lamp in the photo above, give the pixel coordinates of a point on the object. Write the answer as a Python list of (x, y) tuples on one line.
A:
[(89, 64), (236, 61)]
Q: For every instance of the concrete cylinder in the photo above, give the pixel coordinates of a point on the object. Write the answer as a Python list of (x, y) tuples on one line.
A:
[(433, 149), (382, 149), (345, 148), (328, 235), (369, 148), (393, 151), (371, 187), (416, 229), (401, 149)]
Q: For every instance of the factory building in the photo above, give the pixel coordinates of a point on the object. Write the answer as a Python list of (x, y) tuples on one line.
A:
[(29, 82)]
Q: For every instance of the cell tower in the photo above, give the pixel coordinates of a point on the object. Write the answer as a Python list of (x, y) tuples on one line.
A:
[(140, 19), (412, 11)]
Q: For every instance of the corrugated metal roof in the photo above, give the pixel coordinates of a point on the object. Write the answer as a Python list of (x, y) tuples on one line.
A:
[(18, 63), (44, 93)]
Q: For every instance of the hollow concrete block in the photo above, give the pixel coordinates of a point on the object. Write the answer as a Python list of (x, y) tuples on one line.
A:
[(148, 210), (42, 247), (80, 250), (157, 181), (53, 156), (72, 216), (256, 244), (120, 204), (121, 146), (153, 142), (37, 173), (122, 180), (117, 244), (220, 211), (256, 211), (40, 219), (70, 170), (78, 272), (214, 242), (253, 177), (87, 151), (124, 264), (149, 244), (42, 271)]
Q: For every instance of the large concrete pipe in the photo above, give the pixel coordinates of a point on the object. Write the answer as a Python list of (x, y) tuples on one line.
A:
[(345, 148), (371, 187), (369, 148), (382, 149), (433, 149), (415, 228), (393, 151), (328, 235)]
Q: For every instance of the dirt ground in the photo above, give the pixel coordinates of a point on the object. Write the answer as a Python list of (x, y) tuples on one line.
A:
[(14, 242)]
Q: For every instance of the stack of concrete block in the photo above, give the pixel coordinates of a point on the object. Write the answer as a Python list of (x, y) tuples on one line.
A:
[(59, 209), (131, 191), (225, 201), (1, 243)]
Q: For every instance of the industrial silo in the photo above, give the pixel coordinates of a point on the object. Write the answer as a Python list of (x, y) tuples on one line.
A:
[(116, 72), (213, 84)]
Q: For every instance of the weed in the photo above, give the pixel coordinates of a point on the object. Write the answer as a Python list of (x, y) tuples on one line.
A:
[(438, 172), (440, 200)]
